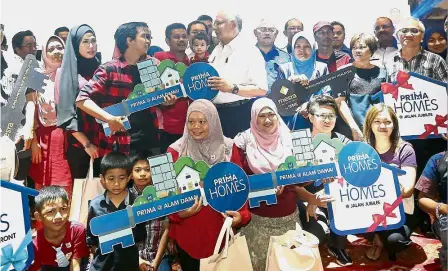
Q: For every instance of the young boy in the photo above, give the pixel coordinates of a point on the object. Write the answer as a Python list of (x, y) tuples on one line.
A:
[(152, 251), (114, 176), (200, 46), (59, 244)]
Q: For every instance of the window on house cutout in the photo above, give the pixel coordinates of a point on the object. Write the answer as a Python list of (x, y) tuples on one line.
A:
[(196, 184), (324, 151), (188, 176), (184, 188), (331, 158)]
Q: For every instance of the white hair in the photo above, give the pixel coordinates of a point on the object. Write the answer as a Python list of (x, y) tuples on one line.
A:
[(233, 16), (405, 23)]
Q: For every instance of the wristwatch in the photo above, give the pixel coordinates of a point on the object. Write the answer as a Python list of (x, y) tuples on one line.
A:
[(235, 89), (87, 145)]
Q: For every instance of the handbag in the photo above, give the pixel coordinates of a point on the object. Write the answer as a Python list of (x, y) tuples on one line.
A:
[(296, 250), (84, 190), (234, 255)]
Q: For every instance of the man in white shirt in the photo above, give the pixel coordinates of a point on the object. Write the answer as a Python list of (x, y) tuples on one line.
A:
[(387, 44), (242, 74)]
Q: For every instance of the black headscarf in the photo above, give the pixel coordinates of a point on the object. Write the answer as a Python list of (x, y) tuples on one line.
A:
[(72, 65)]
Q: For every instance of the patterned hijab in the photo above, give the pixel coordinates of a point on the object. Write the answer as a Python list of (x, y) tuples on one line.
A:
[(213, 149)]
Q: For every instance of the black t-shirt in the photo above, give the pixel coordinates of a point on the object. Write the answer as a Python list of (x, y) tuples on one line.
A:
[(143, 132)]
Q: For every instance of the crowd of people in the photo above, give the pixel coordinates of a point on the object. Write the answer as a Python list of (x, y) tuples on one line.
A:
[(241, 125)]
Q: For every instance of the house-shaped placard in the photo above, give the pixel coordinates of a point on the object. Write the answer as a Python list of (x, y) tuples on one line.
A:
[(376, 207), (302, 147), (17, 252), (420, 104), (188, 179), (170, 77)]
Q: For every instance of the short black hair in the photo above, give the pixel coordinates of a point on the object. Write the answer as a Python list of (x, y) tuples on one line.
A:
[(173, 26), (201, 36), (205, 18), (338, 23), (139, 156), (18, 38), (321, 100), (195, 22), (115, 160), (61, 29), (124, 31), (49, 194)]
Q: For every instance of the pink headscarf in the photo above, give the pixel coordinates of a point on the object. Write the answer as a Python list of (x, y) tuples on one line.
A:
[(265, 152), (215, 148), (50, 66)]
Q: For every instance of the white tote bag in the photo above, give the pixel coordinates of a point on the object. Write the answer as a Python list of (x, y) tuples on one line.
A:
[(296, 250), (234, 255)]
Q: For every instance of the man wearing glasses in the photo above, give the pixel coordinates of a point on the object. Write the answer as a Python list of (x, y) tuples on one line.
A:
[(242, 74), (266, 33), (412, 57), (292, 26), (387, 44)]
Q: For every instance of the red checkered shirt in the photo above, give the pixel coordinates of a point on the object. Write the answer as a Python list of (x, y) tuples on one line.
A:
[(111, 83)]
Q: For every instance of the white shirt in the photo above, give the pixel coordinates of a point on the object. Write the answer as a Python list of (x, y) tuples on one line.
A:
[(189, 52), (383, 56), (240, 64)]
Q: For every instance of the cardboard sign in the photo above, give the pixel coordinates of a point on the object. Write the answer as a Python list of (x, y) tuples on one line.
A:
[(288, 96), (12, 113), (160, 81), (17, 252), (226, 187), (371, 208), (160, 199), (195, 81), (419, 103)]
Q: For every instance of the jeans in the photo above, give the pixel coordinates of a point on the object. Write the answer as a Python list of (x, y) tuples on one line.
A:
[(165, 264), (440, 229)]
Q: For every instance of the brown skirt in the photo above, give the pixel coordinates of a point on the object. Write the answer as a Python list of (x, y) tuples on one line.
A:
[(259, 231)]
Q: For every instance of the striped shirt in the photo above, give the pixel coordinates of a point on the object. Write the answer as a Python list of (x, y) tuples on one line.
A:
[(147, 249), (425, 63)]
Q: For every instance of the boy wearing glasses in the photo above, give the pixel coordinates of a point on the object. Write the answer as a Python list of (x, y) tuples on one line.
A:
[(60, 244), (115, 173)]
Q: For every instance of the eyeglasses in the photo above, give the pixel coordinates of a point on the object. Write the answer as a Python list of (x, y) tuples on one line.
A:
[(413, 31), (330, 117), (266, 29), (384, 26), (218, 23)]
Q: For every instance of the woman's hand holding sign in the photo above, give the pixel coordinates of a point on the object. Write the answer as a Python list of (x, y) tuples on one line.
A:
[(236, 217), (192, 210)]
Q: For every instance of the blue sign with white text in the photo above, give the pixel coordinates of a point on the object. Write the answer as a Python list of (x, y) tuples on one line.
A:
[(226, 187), (360, 164), (195, 81)]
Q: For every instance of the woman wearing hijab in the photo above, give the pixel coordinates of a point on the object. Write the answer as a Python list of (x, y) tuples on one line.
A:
[(263, 147), (302, 69), (196, 229), (50, 166), (78, 67), (435, 40)]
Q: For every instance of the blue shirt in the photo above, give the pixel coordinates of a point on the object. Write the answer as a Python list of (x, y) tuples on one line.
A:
[(273, 59)]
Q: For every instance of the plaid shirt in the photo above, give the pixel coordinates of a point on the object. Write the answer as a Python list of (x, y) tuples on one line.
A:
[(111, 83), (425, 63), (147, 249)]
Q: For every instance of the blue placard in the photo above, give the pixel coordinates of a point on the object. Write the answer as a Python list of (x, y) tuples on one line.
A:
[(360, 164), (226, 187), (195, 81)]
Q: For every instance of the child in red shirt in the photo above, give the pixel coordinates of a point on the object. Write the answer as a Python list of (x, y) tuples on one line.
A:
[(60, 244), (200, 47)]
